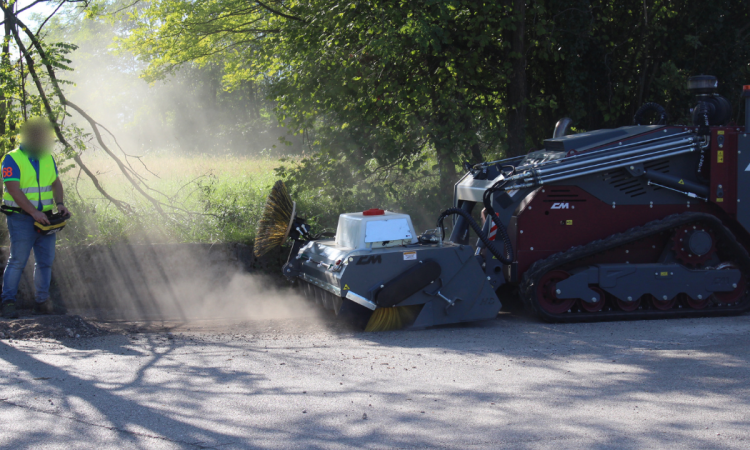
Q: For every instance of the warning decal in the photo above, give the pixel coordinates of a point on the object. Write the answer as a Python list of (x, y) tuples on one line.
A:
[(410, 256), (493, 232)]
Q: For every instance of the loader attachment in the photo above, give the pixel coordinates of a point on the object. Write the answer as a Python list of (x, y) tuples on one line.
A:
[(377, 271)]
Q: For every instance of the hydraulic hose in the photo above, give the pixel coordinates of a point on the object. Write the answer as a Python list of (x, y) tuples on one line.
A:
[(661, 113), (490, 211), (702, 120), (482, 236)]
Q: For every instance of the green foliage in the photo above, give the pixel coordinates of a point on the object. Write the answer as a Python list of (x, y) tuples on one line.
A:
[(602, 60), (373, 88), (382, 86), (378, 88), (220, 200), (216, 203), (387, 98)]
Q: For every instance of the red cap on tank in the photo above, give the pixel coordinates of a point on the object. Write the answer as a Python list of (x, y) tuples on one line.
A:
[(373, 212)]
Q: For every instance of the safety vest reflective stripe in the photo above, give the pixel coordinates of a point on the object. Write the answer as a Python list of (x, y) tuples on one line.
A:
[(13, 204), (36, 190)]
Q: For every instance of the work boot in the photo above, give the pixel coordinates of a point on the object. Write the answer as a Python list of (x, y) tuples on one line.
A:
[(44, 308), (9, 310)]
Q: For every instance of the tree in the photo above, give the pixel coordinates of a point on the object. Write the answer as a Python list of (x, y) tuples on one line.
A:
[(601, 60), (378, 84), (387, 94), (517, 96)]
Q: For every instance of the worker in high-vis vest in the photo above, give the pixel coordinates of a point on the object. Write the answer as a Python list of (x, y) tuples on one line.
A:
[(32, 192)]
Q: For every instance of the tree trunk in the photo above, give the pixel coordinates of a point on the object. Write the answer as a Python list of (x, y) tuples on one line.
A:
[(476, 153), (447, 168), (5, 63), (517, 85)]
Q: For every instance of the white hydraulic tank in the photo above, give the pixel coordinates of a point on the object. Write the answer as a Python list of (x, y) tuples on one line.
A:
[(374, 228)]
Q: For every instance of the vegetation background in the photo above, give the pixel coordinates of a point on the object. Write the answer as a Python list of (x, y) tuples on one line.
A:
[(355, 104)]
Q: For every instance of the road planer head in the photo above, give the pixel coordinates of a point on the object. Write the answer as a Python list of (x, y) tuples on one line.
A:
[(637, 222)]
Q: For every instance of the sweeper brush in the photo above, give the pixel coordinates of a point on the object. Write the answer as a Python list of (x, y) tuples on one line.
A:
[(276, 221), (394, 318), (637, 222)]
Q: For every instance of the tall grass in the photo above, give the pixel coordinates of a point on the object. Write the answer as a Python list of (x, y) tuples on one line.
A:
[(213, 199)]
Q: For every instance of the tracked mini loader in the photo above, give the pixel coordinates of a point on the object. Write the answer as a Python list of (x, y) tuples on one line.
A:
[(643, 221)]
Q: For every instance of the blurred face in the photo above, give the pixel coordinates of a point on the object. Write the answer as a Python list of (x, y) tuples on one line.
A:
[(36, 137)]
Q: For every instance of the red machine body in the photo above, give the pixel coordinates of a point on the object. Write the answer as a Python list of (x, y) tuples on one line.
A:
[(636, 222), (556, 218)]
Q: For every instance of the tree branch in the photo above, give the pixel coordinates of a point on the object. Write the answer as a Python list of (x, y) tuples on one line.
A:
[(122, 167), (124, 8), (279, 13), (27, 7), (39, 30)]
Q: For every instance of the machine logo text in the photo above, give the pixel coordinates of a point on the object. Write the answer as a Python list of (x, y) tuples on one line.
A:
[(372, 259)]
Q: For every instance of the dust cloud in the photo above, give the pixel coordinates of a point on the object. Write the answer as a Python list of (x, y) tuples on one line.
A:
[(242, 297), (191, 110), (173, 282)]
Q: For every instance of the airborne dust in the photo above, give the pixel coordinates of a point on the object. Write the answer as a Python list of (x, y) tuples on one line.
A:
[(187, 114)]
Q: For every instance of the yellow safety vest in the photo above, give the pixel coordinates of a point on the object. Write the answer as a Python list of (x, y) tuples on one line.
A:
[(36, 186)]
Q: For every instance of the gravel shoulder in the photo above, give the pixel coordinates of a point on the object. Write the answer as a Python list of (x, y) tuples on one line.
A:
[(311, 383)]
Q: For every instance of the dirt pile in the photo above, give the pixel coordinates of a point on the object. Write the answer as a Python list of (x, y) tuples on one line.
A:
[(54, 327)]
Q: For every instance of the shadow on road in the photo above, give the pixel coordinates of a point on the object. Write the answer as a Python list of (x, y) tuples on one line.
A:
[(172, 396)]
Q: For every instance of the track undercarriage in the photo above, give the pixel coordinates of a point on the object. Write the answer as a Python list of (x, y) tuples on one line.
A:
[(660, 244)]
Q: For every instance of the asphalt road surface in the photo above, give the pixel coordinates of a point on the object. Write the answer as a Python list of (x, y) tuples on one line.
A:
[(509, 383)]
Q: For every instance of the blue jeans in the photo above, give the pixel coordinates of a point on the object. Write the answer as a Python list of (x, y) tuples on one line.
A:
[(24, 238)]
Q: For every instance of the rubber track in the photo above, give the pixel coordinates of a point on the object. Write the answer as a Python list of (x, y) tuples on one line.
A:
[(726, 244)]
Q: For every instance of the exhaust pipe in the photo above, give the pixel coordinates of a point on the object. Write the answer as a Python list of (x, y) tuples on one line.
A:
[(562, 127)]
